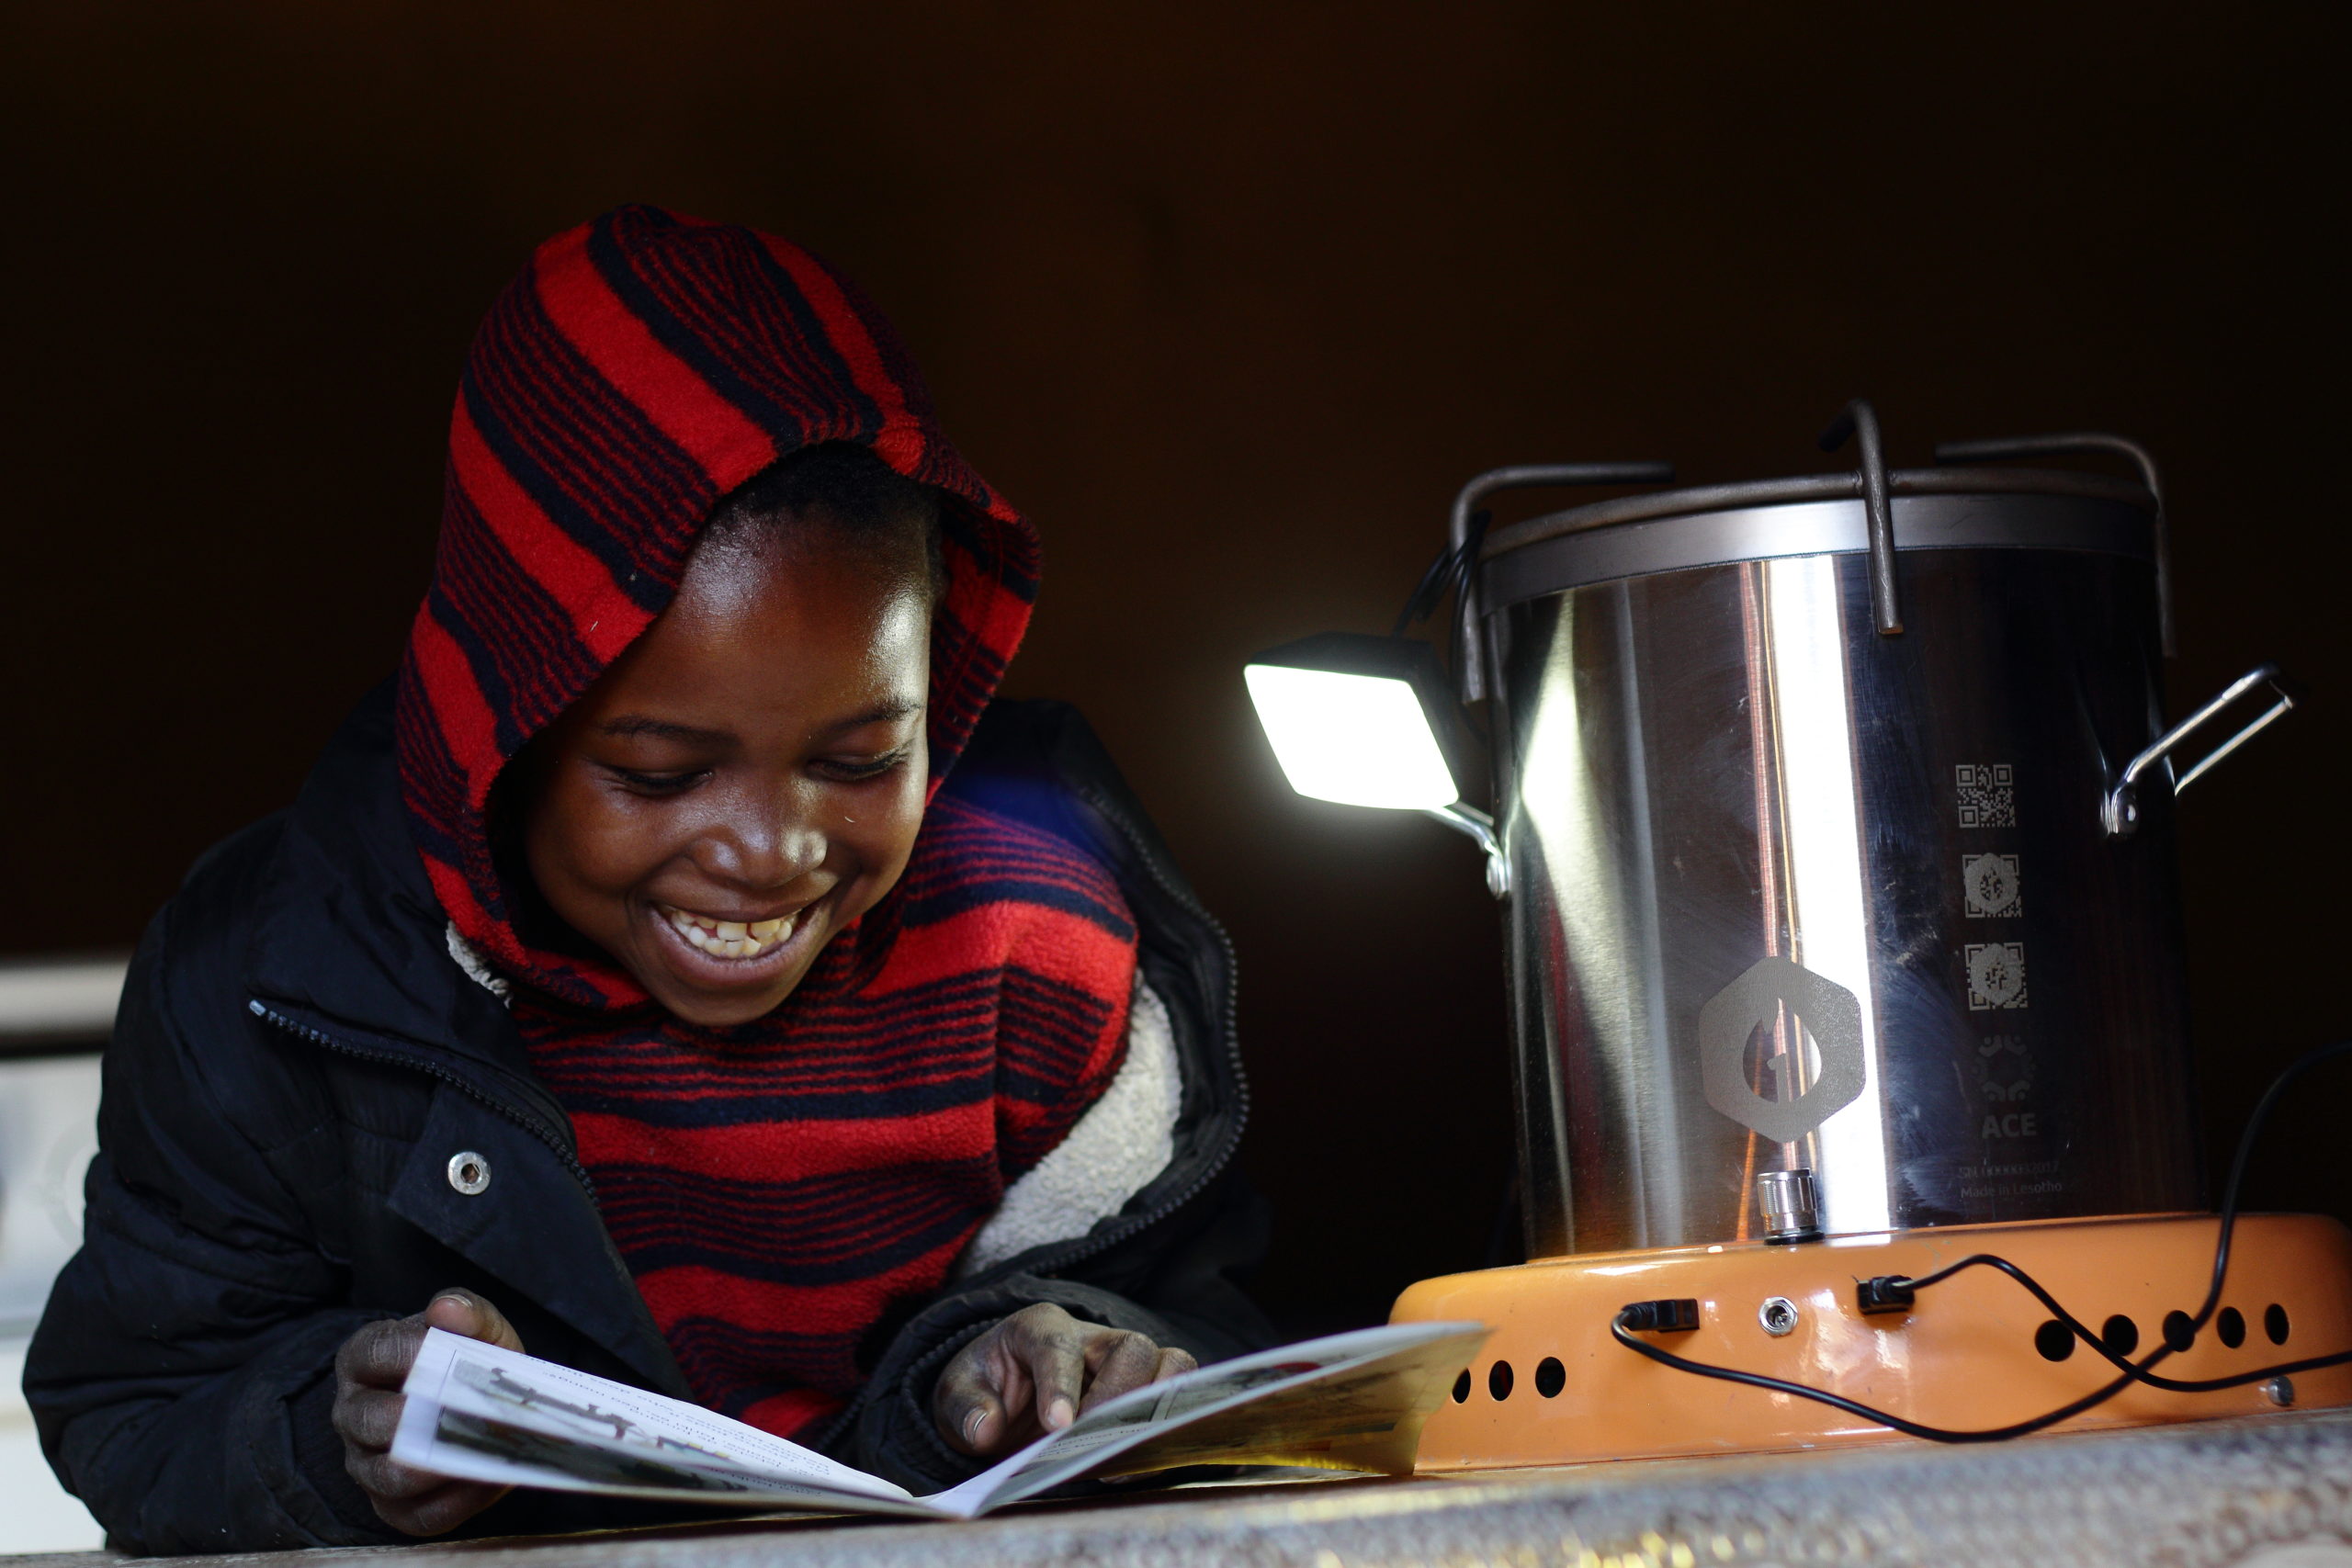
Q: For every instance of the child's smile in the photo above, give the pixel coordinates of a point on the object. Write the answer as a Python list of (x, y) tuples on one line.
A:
[(749, 937), (723, 952)]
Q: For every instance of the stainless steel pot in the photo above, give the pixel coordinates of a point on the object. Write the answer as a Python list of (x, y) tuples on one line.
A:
[(1837, 820)]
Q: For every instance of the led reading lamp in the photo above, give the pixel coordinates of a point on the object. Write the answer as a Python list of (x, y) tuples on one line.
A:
[(1366, 720)]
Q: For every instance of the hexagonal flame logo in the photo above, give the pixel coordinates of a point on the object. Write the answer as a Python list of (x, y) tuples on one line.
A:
[(1823, 1009)]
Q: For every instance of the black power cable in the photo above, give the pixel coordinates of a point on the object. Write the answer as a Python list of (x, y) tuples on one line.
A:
[(1446, 573), (1620, 1327)]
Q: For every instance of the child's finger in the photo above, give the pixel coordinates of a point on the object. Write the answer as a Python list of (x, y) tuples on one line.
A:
[(456, 1310), (1122, 1362), (981, 1424), (1173, 1363), (439, 1511), (380, 1355), (967, 1409), (1056, 1363), (368, 1417), (386, 1480)]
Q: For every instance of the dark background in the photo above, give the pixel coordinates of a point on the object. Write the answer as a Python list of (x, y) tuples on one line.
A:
[(1230, 297)]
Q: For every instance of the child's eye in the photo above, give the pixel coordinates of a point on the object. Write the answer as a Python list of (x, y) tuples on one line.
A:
[(857, 770), (660, 784)]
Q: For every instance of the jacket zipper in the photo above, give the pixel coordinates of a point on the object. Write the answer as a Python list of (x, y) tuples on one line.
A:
[(520, 1118)]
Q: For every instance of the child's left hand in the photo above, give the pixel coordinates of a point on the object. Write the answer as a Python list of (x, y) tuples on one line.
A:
[(1035, 1372)]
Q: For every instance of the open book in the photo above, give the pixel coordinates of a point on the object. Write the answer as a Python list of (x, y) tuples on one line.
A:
[(1349, 1402)]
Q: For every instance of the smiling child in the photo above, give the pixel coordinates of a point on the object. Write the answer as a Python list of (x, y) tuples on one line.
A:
[(684, 971)]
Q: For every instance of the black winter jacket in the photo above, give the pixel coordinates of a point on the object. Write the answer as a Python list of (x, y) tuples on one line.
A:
[(298, 1058)]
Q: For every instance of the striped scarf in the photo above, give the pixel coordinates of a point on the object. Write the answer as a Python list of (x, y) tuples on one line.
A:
[(782, 1189)]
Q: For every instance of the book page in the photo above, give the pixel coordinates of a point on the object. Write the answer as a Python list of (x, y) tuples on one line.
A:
[(1348, 1402), (483, 1413)]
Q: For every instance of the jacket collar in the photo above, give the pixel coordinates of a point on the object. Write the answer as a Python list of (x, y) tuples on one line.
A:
[(351, 936)]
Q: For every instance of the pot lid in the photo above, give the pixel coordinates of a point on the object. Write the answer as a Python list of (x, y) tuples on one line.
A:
[(1839, 486)]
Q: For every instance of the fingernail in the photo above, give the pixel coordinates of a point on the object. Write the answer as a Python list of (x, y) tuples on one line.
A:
[(972, 1425), (1059, 1415)]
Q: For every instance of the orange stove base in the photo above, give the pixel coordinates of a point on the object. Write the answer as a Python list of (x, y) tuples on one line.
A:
[(1964, 1356)]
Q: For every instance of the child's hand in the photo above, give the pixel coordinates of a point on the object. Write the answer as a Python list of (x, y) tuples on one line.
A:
[(369, 1371), (1035, 1372)]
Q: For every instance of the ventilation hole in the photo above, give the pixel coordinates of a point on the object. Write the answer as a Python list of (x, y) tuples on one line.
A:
[(1498, 1379), (2230, 1326), (2274, 1323), (2120, 1335), (2180, 1331), (1550, 1376), (2054, 1340), (1462, 1387)]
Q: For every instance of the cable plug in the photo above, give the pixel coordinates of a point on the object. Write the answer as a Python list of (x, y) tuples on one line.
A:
[(1887, 1292), (1674, 1315)]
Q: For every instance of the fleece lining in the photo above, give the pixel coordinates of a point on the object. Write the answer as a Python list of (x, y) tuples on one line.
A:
[(1112, 1153)]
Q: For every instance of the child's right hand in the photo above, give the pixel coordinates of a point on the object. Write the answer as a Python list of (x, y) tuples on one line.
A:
[(369, 1371)]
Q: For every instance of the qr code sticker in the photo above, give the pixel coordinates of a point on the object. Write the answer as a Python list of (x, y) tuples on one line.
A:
[(1990, 886), (1995, 975), (1986, 797)]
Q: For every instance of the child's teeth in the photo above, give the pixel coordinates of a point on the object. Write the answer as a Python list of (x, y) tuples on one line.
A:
[(728, 939)]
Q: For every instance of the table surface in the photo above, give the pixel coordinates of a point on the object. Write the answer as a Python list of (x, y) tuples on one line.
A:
[(2273, 1491)]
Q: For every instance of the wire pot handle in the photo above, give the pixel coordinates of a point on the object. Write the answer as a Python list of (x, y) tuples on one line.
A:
[(1859, 419), (2075, 445), (1469, 663), (2119, 811)]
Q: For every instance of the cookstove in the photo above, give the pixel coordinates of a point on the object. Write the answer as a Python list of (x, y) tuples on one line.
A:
[(1834, 836)]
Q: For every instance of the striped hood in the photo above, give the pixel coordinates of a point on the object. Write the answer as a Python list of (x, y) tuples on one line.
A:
[(640, 367)]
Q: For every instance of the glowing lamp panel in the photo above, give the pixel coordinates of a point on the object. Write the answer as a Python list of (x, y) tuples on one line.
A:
[(1357, 740)]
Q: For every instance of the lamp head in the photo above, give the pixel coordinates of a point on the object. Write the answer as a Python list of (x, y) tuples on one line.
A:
[(1358, 719)]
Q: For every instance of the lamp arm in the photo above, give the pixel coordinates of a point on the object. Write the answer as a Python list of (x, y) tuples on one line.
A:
[(1469, 819)]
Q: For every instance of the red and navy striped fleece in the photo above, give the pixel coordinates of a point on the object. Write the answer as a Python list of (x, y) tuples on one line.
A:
[(780, 1187)]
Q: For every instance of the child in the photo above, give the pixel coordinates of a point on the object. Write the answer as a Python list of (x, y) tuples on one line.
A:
[(684, 971)]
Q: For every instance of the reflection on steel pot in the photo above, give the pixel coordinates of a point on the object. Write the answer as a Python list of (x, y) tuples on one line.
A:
[(1789, 892)]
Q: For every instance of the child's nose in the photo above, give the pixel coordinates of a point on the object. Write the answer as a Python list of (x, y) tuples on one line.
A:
[(764, 842)]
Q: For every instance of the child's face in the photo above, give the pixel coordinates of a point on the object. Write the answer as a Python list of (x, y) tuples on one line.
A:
[(748, 777)]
